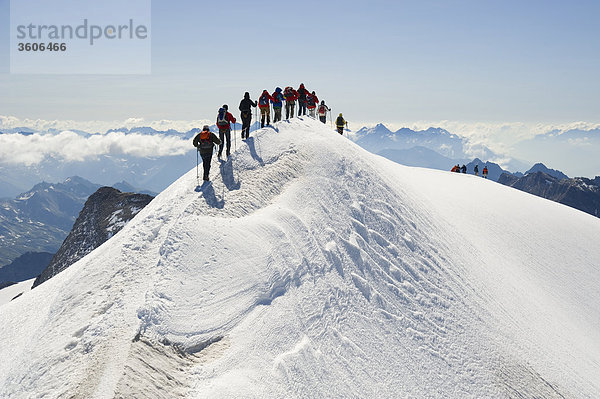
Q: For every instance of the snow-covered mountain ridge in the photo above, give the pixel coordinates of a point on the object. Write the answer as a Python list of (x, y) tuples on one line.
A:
[(312, 268)]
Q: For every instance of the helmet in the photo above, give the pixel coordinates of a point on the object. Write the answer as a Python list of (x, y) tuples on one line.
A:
[(226, 107), (340, 114), (206, 127), (246, 95), (322, 102)]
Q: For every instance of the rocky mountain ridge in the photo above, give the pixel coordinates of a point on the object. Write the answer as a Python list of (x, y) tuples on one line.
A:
[(104, 214)]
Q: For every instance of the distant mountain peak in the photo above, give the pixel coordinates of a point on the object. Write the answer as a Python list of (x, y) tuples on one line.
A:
[(378, 129), (540, 167)]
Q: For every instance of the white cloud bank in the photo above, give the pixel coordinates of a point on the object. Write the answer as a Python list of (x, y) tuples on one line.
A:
[(69, 146)]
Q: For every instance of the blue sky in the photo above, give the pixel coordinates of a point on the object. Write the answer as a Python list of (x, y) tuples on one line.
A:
[(377, 61)]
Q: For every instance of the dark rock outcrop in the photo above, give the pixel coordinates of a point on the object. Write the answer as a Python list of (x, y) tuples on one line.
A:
[(579, 193), (104, 214)]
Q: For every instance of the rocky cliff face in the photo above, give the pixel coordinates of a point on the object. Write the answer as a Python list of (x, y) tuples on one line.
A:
[(579, 193), (104, 214)]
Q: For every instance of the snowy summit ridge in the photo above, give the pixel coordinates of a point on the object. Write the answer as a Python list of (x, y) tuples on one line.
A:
[(312, 268)]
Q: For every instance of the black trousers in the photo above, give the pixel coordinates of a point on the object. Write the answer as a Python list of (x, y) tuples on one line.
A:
[(323, 118), (289, 109), (301, 108), (246, 121), (340, 130), (206, 158), (225, 135)]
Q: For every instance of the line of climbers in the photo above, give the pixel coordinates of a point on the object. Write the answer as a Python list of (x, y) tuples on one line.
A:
[(205, 140), (306, 101), (463, 169)]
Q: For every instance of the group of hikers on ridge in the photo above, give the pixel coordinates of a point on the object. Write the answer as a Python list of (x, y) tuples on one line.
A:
[(205, 140), (306, 101), (463, 169)]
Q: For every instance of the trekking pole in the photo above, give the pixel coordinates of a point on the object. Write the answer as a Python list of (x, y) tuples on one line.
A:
[(197, 173), (234, 138)]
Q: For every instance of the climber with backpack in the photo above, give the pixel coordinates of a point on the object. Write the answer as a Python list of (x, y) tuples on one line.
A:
[(302, 97), (340, 123), (323, 109), (290, 96), (246, 114), (277, 102), (204, 143), (485, 172), (265, 108), (311, 103), (223, 120)]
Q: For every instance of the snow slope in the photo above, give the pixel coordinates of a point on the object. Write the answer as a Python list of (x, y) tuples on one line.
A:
[(8, 293), (312, 268)]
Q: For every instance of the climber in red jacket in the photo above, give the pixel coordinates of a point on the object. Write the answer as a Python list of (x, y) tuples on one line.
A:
[(290, 96), (265, 109)]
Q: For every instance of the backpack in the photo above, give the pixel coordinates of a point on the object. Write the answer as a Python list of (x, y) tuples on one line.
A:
[(340, 121), (263, 100), (205, 141), (288, 93), (310, 100), (222, 121), (322, 109), (302, 94)]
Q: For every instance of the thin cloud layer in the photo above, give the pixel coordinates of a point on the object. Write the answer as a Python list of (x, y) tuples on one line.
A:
[(500, 137), (41, 125)]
